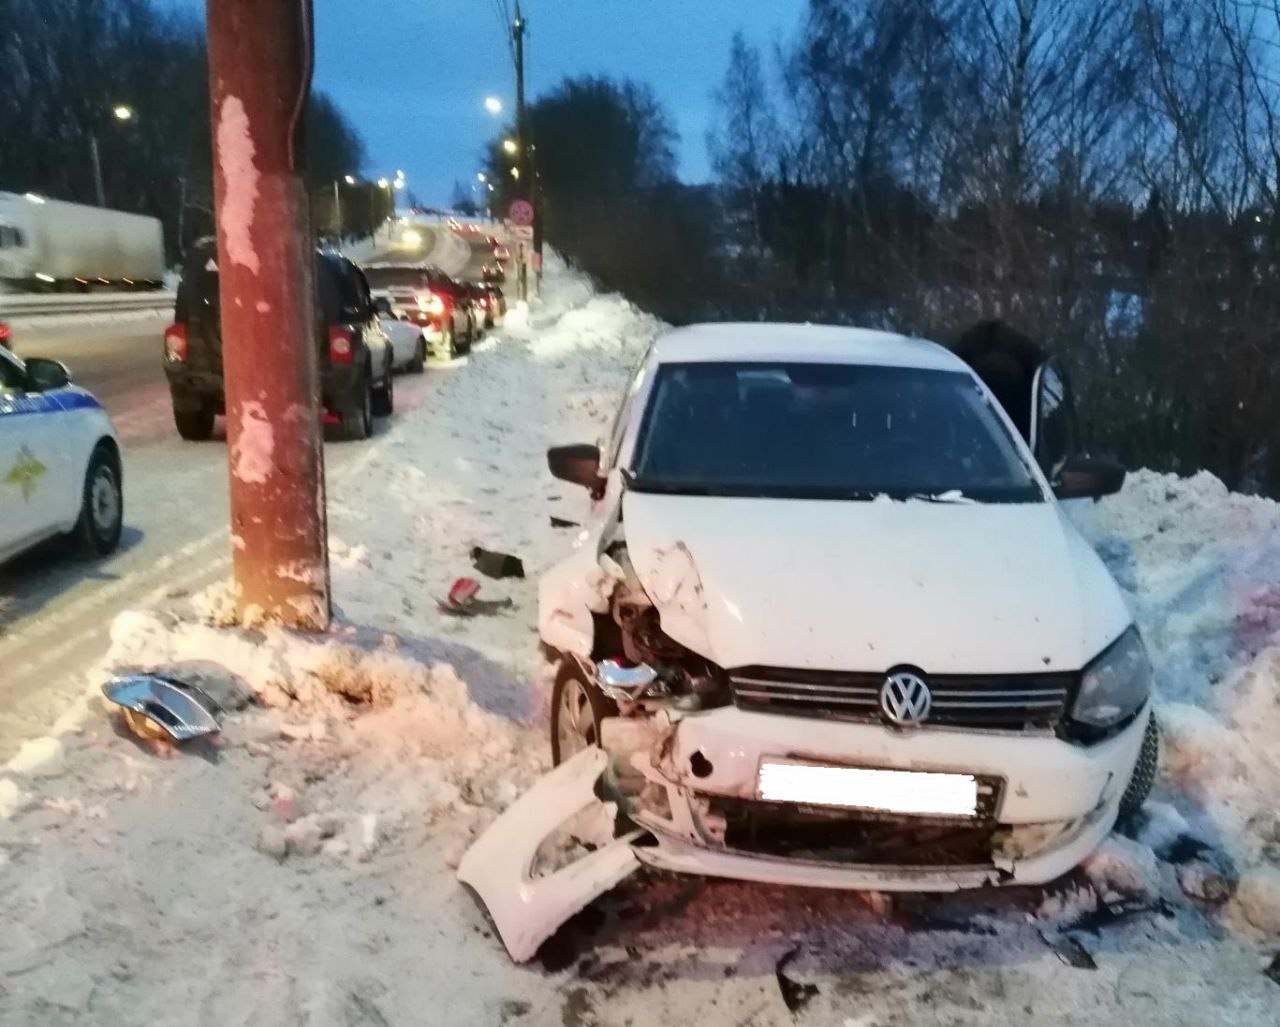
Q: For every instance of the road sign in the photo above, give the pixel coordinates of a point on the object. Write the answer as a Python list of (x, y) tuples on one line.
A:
[(522, 231), (522, 212)]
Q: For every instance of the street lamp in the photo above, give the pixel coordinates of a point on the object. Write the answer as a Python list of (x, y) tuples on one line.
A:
[(515, 173), (480, 177), (122, 112), (493, 105), (383, 183), (510, 146), (349, 179)]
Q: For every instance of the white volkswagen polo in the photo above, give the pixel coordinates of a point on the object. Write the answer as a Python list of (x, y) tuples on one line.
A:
[(60, 470), (828, 624)]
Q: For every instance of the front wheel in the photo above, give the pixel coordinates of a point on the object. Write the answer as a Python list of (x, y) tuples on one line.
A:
[(577, 709), (97, 532), (1144, 772), (419, 362)]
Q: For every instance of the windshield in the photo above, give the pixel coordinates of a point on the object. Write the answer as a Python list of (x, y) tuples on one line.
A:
[(826, 431)]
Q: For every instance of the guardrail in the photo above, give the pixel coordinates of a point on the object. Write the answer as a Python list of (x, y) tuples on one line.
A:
[(44, 305)]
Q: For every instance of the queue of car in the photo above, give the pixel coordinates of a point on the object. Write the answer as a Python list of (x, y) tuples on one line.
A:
[(375, 320)]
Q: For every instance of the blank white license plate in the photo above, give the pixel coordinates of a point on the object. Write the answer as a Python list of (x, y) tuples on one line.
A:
[(889, 791)]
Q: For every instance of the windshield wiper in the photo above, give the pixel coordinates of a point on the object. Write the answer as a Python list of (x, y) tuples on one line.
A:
[(953, 496)]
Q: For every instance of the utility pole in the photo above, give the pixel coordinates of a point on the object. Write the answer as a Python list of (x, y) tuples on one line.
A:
[(523, 183), (260, 58)]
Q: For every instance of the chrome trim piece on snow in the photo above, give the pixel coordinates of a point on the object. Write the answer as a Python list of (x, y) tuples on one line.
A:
[(183, 712)]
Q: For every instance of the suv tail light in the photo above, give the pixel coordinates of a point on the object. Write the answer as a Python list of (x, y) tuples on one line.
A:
[(175, 343), (431, 302), (342, 345)]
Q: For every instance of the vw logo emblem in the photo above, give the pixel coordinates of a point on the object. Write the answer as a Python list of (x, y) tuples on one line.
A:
[(905, 698)]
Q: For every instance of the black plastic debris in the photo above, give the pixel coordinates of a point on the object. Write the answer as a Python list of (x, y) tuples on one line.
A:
[(1070, 951), (496, 565), (560, 522), (463, 601), (795, 994), (157, 707), (1109, 913)]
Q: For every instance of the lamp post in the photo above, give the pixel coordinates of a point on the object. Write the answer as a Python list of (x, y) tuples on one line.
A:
[(122, 112)]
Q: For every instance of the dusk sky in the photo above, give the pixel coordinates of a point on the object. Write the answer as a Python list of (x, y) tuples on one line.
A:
[(413, 74)]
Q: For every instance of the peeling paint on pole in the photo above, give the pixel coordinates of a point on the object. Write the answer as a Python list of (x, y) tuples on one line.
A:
[(255, 445), (235, 159), (260, 71)]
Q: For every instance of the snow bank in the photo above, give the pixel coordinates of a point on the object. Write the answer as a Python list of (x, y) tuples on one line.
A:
[(1201, 568)]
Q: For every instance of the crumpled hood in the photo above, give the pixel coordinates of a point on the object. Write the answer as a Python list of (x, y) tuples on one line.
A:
[(866, 586)]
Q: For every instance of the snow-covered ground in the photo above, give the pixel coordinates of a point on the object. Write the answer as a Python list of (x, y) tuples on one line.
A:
[(300, 872)]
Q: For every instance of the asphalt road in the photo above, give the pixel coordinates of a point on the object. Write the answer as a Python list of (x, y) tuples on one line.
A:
[(56, 612)]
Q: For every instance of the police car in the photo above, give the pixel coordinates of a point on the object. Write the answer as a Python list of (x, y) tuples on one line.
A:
[(60, 470)]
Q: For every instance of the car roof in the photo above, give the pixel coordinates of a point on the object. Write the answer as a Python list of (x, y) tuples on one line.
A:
[(800, 343)]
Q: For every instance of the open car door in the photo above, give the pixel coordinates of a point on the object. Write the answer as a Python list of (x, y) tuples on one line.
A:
[(1032, 386)]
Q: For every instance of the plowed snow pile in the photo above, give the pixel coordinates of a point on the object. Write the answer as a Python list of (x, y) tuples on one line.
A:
[(300, 871)]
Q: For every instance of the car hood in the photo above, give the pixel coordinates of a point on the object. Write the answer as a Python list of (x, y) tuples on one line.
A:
[(866, 586)]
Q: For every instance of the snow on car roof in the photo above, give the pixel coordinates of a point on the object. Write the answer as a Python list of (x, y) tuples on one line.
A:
[(801, 343)]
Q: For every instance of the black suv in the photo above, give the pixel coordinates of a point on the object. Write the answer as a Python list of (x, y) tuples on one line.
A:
[(355, 354)]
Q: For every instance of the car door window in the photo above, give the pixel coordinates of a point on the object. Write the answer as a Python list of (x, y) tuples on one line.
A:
[(1056, 429)]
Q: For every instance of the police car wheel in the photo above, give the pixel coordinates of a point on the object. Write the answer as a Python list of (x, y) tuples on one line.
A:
[(97, 532)]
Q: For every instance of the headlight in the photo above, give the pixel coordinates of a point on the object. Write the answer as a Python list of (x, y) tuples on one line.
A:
[(1116, 684)]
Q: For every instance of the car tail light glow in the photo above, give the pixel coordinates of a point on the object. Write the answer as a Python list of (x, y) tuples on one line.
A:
[(342, 345), (5, 333), (175, 343), (431, 302)]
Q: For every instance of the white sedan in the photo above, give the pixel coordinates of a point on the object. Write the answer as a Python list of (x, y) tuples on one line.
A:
[(408, 342), (827, 625), (60, 471)]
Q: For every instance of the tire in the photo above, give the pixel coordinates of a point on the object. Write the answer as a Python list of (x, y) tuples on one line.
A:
[(194, 425), (356, 412), (1144, 773), (419, 362), (97, 532), (573, 694), (384, 397)]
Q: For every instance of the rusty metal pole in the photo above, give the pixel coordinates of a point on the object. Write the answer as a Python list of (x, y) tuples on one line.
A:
[(260, 55)]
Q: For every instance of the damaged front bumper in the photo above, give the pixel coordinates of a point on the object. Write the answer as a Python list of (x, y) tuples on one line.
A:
[(692, 783), (1045, 804)]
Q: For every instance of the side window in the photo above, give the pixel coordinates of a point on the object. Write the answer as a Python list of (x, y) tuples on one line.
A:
[(1056, 437), (12, 378), (623, 416)]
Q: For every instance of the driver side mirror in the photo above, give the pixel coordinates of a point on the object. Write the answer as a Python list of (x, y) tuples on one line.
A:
[(1088, 477), (578, 465), (46, 375)]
